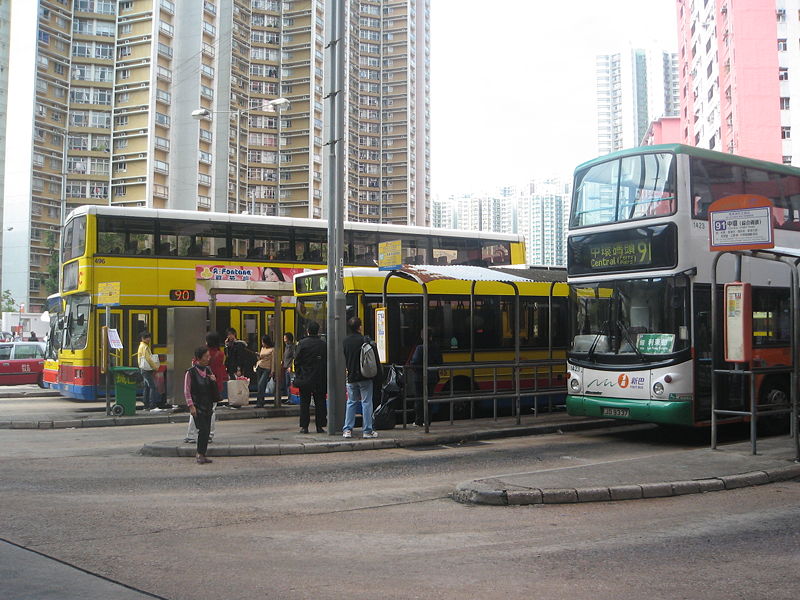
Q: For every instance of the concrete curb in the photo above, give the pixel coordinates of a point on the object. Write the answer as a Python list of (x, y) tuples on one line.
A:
[(40, 393), (141, 418), (339, 444), (494, 492)]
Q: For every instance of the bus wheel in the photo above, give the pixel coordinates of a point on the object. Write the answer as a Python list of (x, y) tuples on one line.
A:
[(775, 393)]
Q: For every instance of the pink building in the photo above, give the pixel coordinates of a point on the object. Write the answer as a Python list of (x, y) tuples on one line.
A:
[(665, 130), (733, 64)]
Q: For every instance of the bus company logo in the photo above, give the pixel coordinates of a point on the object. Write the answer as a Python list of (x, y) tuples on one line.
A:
[(623, 380)]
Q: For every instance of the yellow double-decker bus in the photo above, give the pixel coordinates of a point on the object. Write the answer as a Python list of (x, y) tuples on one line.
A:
[(165, 258), (471, 318)]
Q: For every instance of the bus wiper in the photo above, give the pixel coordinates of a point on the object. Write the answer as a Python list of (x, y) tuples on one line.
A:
[(628, 339), (596, 340)]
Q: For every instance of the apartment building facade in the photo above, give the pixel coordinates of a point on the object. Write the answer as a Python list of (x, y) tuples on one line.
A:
[(5, 33), (115, 85), (633, 87), (739, 62)]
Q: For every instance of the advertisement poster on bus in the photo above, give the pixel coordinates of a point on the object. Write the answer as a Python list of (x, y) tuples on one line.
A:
[(241, 273)]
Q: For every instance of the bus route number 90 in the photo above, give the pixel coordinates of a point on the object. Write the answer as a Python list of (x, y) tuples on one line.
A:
[(181, 295)]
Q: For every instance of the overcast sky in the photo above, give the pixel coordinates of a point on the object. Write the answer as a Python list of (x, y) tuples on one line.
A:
[(512, 83)]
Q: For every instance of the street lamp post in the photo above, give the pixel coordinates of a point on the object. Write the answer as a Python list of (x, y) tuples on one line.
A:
[(271, 106)]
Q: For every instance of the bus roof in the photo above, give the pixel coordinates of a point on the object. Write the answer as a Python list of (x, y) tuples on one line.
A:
[(456, 272), (216, 217), (697, 152)]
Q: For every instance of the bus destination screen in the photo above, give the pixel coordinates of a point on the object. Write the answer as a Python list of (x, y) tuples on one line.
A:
[(309, 284), (639, 249)]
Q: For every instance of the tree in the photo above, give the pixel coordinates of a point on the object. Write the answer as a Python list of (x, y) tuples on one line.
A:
[(7, 302)]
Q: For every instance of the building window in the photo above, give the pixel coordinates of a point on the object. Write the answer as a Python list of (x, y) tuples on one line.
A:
[(784, 103), (783, 74), (786, 133), (787, 160), (782, 45)]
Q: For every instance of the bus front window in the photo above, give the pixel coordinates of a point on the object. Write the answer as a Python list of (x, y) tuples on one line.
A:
[(626, 189), (76, 322), (636, 320)]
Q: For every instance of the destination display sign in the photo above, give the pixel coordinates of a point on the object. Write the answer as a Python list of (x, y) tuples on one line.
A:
[(620, 254), (309, 284), (639, 249)]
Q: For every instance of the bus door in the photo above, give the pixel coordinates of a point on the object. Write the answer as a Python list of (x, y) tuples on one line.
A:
[(253, 322), (115, 322), (138, 321), (729, 395)]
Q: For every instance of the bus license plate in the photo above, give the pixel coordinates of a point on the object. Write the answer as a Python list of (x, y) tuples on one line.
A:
[(615, 412)]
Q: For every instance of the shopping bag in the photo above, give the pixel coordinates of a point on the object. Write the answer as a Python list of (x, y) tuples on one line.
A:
[(270, 387), (238, 392)]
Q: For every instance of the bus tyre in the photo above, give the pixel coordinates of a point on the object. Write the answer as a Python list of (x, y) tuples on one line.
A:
[(117, 410), (774, 393)]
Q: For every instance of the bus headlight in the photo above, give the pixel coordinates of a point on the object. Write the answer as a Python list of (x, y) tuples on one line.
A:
[(574, 384), (658, 388)]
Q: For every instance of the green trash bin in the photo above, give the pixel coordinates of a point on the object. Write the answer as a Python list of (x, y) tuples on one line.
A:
[(125, 384)]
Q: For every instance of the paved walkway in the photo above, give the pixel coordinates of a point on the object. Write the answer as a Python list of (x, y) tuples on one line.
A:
[(274, 431), (281, 436), (673, 474), (26, 575)]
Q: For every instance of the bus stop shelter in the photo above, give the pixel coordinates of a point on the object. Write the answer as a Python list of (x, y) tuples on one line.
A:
[(424, 275), (181, 318), (789, 259)]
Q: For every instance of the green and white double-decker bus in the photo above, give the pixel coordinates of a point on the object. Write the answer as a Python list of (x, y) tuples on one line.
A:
[(640, 273)]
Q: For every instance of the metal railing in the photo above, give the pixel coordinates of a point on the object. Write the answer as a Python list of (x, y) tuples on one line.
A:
[(507, 383)]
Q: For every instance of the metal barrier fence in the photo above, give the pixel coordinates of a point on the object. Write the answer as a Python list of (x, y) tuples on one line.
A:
[(546, 378)]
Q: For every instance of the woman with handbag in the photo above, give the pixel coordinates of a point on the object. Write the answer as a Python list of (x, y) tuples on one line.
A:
[(200, 390), (264, 369)]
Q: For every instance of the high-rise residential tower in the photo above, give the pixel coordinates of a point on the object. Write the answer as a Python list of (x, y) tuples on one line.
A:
[(633, 88), (5, 32), (114, 85), (739, 66), (538, 210)]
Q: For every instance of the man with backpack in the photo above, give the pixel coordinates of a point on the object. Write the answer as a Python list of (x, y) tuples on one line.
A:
[(363, 368)]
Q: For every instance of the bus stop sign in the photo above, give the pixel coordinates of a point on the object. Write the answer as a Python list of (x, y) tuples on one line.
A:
[(740, 222)]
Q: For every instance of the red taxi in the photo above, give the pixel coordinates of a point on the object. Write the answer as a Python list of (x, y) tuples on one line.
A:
[(21, 362)]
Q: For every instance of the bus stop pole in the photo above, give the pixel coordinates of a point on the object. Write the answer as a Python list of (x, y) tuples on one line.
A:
[(795, 379), (107, 348), (714, 337), (334, 202), (278, 374), (425, 358)]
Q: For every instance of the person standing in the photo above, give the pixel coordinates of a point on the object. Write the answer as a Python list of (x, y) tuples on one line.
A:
[(290, 349), (359, 387), (264, 368), (200, 391), (216, 363), (434, 359), (238, 355), (148, 365), (310, 365)]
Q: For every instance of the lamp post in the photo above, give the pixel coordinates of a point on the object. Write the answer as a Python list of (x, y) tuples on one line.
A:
[(270, 106)]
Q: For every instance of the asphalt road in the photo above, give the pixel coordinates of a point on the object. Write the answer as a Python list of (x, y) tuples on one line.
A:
[(380, 524)]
